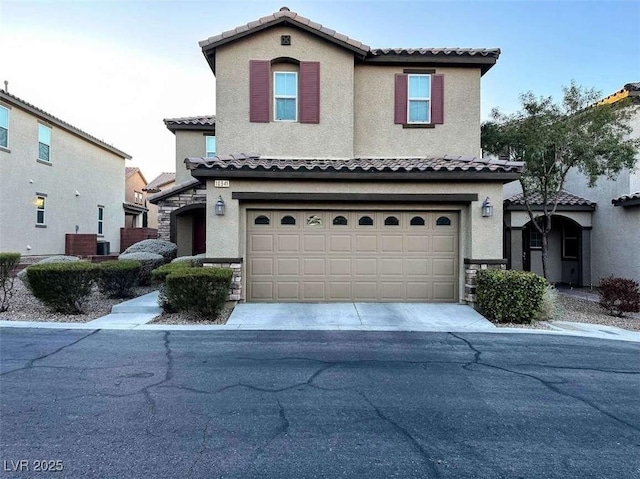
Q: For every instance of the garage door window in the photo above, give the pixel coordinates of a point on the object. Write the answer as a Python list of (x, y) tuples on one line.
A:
[(288, 220), (365, 221), (417, 221), (391, 221), (261, 220), (443, 221), (340, 221)]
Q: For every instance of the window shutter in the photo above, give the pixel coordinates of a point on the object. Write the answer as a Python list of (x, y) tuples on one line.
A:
[(401, 96), (259, 91), (437, 99), (309, 92)]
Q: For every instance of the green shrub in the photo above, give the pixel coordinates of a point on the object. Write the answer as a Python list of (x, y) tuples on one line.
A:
[(619, 295), (8, 263), (117, 278), (510, 296), (64, 287), (22, 275), (159, 274), (198, 290), (148, 262)]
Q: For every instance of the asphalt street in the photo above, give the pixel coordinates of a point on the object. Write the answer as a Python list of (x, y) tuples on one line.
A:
[(316, 404)]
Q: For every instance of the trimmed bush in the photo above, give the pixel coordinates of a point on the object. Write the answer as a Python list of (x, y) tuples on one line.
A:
[(148, 262), (510, 296), (64, 287), (159, 274), (22, 275), (619, 295), (117, 278), (8, 263), (198, 290), (196, 260), (166, 249)]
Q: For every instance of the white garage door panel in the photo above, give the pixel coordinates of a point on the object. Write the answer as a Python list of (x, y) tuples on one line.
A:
[(319, 258)]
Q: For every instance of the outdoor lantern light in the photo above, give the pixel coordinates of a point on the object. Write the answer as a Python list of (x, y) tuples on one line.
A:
[(487, 208), (220, 206)]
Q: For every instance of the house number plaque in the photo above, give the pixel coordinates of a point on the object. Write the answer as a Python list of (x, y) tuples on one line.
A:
[(221, 183)]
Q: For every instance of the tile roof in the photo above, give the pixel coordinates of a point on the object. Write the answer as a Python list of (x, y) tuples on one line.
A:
[(564, 199), (162, 179), (446, 163), (632, 86), (180, 187), (627, 200), (455, 51), (207, 122), (19, 102)]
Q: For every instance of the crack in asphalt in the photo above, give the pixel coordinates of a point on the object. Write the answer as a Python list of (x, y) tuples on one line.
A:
[(30, 363), (425, 455), (203, 446), (168, 375), (578, 368), (548, 384)]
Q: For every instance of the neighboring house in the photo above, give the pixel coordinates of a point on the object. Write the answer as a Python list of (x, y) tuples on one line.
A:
[(55, 180), (182, 204), (343, 172), (135, 202), (594, 232), (161, 182)]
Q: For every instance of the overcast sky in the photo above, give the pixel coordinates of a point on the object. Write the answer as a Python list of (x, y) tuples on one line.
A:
[(117, 68)]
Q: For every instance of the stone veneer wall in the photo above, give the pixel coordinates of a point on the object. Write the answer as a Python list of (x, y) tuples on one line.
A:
[(235, 290), (166, 206), (471, 270)]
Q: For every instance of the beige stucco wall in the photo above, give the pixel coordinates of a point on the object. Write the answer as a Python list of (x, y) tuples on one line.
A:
[(377, 136), (331, 138), (188, 144), (76, 165), (480, 238), (132, 184)]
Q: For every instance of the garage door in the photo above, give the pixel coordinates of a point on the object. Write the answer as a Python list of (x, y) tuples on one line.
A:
[(352, 256)]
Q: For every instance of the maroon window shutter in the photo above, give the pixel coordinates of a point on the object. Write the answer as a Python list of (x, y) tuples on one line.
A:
[(437, 99), (309, 92), (259, 91), (401, 95)]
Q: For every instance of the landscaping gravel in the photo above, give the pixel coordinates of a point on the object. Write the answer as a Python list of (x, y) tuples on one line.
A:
[(585, 311)]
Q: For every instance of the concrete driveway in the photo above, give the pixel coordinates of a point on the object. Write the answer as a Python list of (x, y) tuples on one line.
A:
[(359, 317)]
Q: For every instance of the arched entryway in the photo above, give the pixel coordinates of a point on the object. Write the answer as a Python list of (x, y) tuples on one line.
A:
[(189, 229)]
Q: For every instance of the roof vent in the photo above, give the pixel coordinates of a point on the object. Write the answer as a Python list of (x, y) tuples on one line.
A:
[(285, 9)]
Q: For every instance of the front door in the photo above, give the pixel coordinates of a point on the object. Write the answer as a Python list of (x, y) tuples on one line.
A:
[(199, 233)]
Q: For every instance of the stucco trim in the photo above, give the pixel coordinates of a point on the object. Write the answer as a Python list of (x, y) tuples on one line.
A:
[(484, 63), (356, 197)]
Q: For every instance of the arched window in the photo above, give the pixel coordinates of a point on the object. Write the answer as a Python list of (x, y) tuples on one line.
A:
[(417, 221), (340, 221), (391, 221), (443, 221), (288, 220), (261, 220), (365, 221)]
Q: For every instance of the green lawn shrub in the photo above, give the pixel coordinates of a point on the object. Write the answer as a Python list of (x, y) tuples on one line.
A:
[(63, 287), (159, 274), (197, 290), (8, 264), (22, 275), (117, 278), (510, 296), (148, 262), (619, 295)]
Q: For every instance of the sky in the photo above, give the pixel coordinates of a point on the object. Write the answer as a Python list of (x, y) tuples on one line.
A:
[(117, 68)]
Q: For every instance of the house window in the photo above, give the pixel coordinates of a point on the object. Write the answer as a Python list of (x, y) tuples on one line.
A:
[(570, 241), (288, 220), (44, 142), (40, 209), (417, 221), (285, 96), (261, 220), (443, 221), (365, 221), (391, 221), (137, 197), (419, 99), (535, 239), (210, 146), (100, 220), (4, 127), (340, 221)]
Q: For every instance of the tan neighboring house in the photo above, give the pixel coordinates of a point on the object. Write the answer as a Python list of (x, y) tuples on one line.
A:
[(161, 182), (135, 201), (343, 172), (55, 179)]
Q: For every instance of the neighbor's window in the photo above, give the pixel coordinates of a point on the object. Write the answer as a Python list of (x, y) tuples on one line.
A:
[(44, 142), (419, 99), (100, 219), (535, 239), (285, 96), (210, 146), (137, 197), (4, 126), (40, 209)]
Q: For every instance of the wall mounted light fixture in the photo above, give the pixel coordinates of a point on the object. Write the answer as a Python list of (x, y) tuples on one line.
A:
[(220, 206), (487, 208)]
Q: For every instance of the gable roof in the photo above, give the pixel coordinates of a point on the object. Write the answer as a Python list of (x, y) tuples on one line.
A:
[(34, 110), (483, 58), (199, 123), (453, 168), (566, 202), (174, 190), (162, 179), (129, 171)]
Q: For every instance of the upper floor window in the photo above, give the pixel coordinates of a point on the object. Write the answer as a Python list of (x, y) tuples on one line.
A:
[(210, 146), (419, 99), (137, 195), (4, 126), (100, 220), (44, 142), (285, 96)]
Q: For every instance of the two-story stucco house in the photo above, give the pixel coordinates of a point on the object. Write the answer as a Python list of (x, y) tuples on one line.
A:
[(55, 179), (344, 172)]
